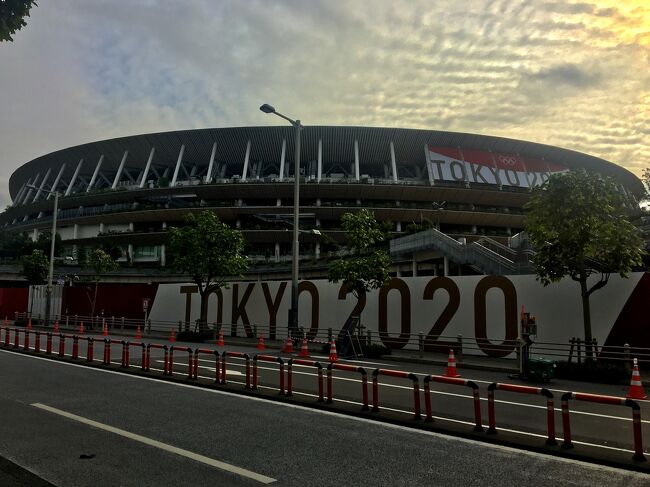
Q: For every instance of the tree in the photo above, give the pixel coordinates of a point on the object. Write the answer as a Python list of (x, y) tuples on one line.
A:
[(99, 262), (209, 251), (578, 225), (367, 267), (35, 269), (12, 17)]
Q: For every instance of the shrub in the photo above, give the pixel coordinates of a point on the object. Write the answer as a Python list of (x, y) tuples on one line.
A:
[(606, 373)]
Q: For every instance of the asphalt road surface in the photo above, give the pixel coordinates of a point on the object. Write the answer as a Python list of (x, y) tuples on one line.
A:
[(73, 425)]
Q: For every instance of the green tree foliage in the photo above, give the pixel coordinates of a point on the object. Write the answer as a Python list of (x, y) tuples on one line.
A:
[(209, 251), (43, 243), (368, 265), (99, 262), (578, 225), (12, 244), (12, 17), (35, 268)]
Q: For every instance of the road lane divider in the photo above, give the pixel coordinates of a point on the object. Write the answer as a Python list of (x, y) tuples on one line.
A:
[(401, 375), (550, 408), (244, 356), (306, 363), (349, 368), (228, 467), (217, 360), (170, 366), (268, 358), (478, 424), (157, 346), (615, 401)]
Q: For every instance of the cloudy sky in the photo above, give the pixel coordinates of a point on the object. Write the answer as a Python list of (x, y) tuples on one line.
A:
[(572, 74)]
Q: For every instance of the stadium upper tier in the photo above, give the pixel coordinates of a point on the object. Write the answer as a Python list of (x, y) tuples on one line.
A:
[(126, 192)]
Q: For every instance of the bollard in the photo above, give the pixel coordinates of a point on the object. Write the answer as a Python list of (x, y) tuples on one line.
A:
[(90, 350), (459, 353), (125, 354), (75, 347), (26, 343), (48, 349), (61, 345), (37, 341), (17, 338)]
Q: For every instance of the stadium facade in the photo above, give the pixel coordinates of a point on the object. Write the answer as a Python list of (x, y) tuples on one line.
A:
[(128, 191)]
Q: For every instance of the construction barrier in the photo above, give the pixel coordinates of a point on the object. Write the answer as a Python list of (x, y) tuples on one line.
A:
[(170, 366), (245, 356), (26, 342), (456, 381), (62, 338), (401, 375), (126, 362), (550, 409), (16, 338), (616, 401), (307, 363), (268, 358), (348, 368), (157, 346), (217, 361), (37, 341)]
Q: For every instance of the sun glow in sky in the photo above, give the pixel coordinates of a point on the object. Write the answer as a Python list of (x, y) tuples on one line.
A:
[(575, 74)]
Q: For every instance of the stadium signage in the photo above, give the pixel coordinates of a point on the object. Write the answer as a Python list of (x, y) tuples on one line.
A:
[(475, 166), (483, 309)]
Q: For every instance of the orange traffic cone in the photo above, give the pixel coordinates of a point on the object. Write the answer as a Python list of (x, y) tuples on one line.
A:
[(260, 343), (304, 348), (138, 333), (451, 365), (636, 387), (333, 356), (172, 336), (105, 329), (220, 341), (81, 328), (56, 327), (29, 324), (288, 346)]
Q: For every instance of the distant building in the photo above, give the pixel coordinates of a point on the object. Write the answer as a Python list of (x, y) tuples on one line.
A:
[(128, 191)]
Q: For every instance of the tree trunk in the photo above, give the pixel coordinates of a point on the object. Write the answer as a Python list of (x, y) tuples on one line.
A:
[(586, 316), (203, 319), (92, 308)]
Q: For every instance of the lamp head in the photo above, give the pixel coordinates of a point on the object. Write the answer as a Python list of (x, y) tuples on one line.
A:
[(266, 108)]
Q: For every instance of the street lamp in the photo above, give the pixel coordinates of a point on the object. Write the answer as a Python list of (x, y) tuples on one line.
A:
[(50, 273), (293, 311)]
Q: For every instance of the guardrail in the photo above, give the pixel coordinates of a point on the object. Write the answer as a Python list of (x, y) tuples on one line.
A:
[(307, 363), (399, 374), (616, 401), (220, 378), (268, 358), (478, 425), (550, 409), (349, 368)]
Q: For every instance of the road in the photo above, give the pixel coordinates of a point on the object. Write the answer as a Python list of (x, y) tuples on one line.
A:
[(140, 431)]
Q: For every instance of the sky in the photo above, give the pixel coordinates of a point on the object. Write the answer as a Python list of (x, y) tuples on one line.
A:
[(574, 74)]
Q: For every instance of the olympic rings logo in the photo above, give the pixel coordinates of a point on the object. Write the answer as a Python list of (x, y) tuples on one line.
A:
[(508, 160)]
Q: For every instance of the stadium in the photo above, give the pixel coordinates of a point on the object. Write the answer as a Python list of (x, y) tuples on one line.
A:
[(129, 190)]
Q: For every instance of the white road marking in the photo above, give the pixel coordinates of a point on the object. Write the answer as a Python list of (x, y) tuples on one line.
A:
[(341, 415), (162, 446)]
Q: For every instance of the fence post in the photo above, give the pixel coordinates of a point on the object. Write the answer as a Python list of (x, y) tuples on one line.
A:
[(122, 324), (421, 344), (329, 334), (459, 355), (626, 357)]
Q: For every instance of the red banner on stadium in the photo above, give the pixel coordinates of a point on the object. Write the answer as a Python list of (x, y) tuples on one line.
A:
[(475, 166)]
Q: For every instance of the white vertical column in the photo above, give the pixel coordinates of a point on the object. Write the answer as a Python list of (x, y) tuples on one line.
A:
[(282, 157), (445, 266), (248, 153), (55, 184), (74, 177), (29, 192), (320, 159), (393, 161), (427, 161), (356, 159), (147, 167), (20, 193), (40, 188), (178, 165), (119, 170), (208, 177), (163, 255), (92, 180)]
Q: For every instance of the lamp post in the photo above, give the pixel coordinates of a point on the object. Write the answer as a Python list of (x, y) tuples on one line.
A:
[(50, 272), (293, 311)]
